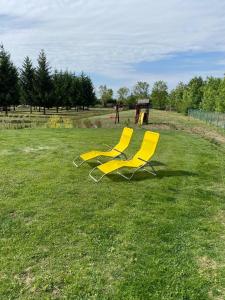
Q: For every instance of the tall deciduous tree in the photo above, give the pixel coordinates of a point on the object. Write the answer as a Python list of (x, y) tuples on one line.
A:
[(123, 93), (190, 95), (194, 92), (9, 87), (131, 101), (106, 94), (27, 77), (220, 100), (43, 82), (159, 95), (211, 91), (141, 90), (176, 97)]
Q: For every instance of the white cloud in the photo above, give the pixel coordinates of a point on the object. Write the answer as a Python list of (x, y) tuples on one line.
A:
[(108, 37)]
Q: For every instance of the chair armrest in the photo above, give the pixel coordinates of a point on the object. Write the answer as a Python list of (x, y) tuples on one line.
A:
[(143, 159), (120, 152)]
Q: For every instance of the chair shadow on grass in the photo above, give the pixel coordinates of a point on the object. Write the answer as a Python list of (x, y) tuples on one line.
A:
[(143, 175), (161, 173)]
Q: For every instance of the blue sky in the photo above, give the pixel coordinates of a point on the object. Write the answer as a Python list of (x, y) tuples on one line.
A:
[(119, 42), (191, 61)]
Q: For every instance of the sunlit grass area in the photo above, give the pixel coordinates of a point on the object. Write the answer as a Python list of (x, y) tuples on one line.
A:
[(65, 237)]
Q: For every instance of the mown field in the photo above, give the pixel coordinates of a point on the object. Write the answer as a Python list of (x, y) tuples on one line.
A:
[(64, 237)]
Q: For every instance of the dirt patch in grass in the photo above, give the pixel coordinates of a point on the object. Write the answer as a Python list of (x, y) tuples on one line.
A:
[(220, 297), (5, 152), (220, 217), (31, 149), (26, 278), (211, 135), (208, 268), (207, 264)]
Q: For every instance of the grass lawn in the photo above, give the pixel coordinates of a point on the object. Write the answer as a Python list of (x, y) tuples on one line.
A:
[(64, 237)]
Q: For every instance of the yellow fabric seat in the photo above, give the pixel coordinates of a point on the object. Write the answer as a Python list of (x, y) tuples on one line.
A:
[(92, 154), (112, 153), (140, 159), (113, 165)]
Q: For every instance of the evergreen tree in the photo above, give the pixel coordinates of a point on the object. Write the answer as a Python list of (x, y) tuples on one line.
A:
[(27, 77), (90, 95), (9, 87), (58, 89), (67, 87), (87, 94), (43, 82), (159, 95), (76, 92), (57, 80)]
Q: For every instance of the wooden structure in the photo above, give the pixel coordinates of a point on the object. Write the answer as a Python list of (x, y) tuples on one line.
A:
[(118, 107), (141, 105)]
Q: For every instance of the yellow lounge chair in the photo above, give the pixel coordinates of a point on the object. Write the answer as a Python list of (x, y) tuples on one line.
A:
[(139, 161), (113, 152)]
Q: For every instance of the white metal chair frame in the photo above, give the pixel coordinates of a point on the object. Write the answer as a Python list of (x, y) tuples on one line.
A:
[(145, 164), (79, 162)]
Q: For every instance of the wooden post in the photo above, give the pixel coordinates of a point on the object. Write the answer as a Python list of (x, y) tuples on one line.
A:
[(117, 118)]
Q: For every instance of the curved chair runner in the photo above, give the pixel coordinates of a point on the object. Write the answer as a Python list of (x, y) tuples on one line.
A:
[(139, 161), (113, 152)]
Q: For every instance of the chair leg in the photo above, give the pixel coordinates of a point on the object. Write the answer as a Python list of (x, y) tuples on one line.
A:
[(94, 178), (78, 162), (98, 160), (130, 177), (123, 154), (122, 175), (153, 172), (150, 172)]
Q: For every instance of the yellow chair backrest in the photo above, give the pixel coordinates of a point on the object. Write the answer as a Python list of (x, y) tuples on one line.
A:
[(125, 139), (148, 146)]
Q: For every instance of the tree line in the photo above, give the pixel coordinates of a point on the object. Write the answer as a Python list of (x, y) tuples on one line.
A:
[(40, 88), (207, 95)]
